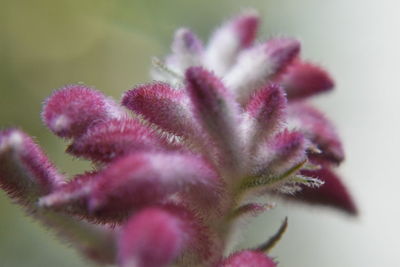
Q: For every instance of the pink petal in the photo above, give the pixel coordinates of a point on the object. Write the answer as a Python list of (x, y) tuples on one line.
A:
[(72, 196), (68, 112), (155, 237), (26, 174), (216, 111), (248, 258), (187, 51), (144, 178), (319, 130), (229, 40), (164, 106), (333, 193), (25, 171), (303, 79), (267, 108), (257, 65), (115, 138), (286, 150)]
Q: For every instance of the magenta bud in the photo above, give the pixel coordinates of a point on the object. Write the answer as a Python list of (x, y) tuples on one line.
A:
[(164, 106), (149, 177), (281, 52), (106, 141), (70, 111), (248, 258), (246, 27), (332, 193), (155, 237), (304, 79), (25, 171), (286, 150), (216, 110), (229, 40), (186, 43), (267, 108), (319, 130)]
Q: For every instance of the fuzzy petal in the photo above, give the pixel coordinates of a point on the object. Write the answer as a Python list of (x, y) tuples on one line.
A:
[(248, 258), (267, 109), (164, 106), (257, 65), (318, 129), (26, 174), (156, 236), (303, 79), (68, 112), (25, 171), (333, 193), (145, 178), (216, 110), (187, 51), (115, 138), (284, 151), (229, 40)]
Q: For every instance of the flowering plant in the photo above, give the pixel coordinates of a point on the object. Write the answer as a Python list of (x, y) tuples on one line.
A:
[(221, 132)]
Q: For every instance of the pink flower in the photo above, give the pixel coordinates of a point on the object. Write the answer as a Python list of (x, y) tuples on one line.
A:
[(222, 129)]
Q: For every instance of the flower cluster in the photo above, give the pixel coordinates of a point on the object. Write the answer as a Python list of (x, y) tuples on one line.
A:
[(221, 132)]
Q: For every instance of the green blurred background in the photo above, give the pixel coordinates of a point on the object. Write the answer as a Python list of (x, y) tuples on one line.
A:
[(45, 44)]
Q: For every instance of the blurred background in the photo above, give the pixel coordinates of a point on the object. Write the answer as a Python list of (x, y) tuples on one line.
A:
[(45, 44)]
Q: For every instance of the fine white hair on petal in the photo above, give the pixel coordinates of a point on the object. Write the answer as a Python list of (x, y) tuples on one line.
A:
[(228, 40), (257, 65), (250, 72), (187, 51)]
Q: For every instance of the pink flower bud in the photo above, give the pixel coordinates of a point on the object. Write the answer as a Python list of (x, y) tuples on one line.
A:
[(304, 79), (187, 51), (282, 153), (332, 193), (248, 258), (156, 236), (255, 66), (106, 141), (69, 111), (25, 171), (164, 106), (229, 40), (318, 129), (144, 178), (215, 110), (267, 108)]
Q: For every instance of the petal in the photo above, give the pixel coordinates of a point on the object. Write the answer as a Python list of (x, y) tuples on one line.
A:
[(318, 129), (105, 141), (285, 150), (157, 236), (26, 174), (267, 109), (143, 178), (68, 112), (164, 106), (303, 79), (257, 65), (216, 111), (248, 258), (332, 193), (25, 171), (72, 196), (229, 39), (132, 182), (187, 51)]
